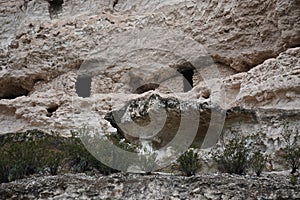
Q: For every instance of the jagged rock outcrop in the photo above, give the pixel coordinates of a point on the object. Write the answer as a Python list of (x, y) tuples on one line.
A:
[(273, 84)]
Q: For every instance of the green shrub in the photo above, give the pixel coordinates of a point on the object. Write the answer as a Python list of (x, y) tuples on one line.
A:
[(53, 160), (241, 153), (189, 162), (33, 151), (22, 154), (292, 148), (294, 179), (258, 162), (81, 159), (4, 167), (234, 159), (23, 159)]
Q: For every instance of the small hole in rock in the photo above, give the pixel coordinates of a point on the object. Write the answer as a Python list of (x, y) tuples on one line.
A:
[(188, 79), (146, 88), (186, 69), (55, 7), (12, 92), (51, 109)]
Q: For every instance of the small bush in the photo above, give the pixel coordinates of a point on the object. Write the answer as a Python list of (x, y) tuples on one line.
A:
[(258, 162), (292, 155), (292, 148), (81, 159), (23, 154), (21, 159), (53, 161), (241, 153), (234, 159), (294, 179), (189, 162), (4, 167), (117, 158)]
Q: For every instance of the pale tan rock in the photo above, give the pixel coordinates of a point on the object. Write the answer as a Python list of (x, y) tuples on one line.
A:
[(253, 44), (272, 85)]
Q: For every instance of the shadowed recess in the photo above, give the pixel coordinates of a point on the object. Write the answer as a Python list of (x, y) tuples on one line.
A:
[(146, 88), (55, 7)]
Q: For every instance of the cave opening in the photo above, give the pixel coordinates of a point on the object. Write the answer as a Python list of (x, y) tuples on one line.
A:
[(55, 7), (13, 92), (188, 79), (51, 109), (145, 88), (83, 86)]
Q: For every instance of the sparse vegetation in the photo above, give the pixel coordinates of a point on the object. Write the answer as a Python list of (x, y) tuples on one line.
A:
[(23, 154), (240, 153), (294, 178), (33, 151), (53, 161), (258, 162), (292, 148), (189, 162), (19, 159), (234, 159)]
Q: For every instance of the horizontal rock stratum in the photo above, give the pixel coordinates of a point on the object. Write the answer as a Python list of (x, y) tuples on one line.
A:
[(120, 186)]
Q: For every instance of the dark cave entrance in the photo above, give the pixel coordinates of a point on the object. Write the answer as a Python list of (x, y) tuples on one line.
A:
[(146, 88), (13, 92), (83, 86), (51, 109), (55, 7), (188, 79)]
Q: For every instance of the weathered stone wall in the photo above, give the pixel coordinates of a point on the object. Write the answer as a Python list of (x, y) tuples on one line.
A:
[(45, 45)]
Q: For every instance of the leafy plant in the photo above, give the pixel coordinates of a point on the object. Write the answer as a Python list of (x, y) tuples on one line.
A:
[(81, 159), (53, 160), (258, 162), (4, 167), (189, 162), (241, 153), (294, 179), (234, 159), (292, 148), (19, 158), (33, 151)]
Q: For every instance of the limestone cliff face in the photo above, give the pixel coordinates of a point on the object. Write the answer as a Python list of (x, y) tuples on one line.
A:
[(48, 47)]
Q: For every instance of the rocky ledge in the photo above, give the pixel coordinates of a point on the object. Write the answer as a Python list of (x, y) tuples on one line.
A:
[(162, 186)]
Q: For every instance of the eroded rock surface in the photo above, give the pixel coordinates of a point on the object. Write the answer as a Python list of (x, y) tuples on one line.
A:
[(120, 186), (47, 46)]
